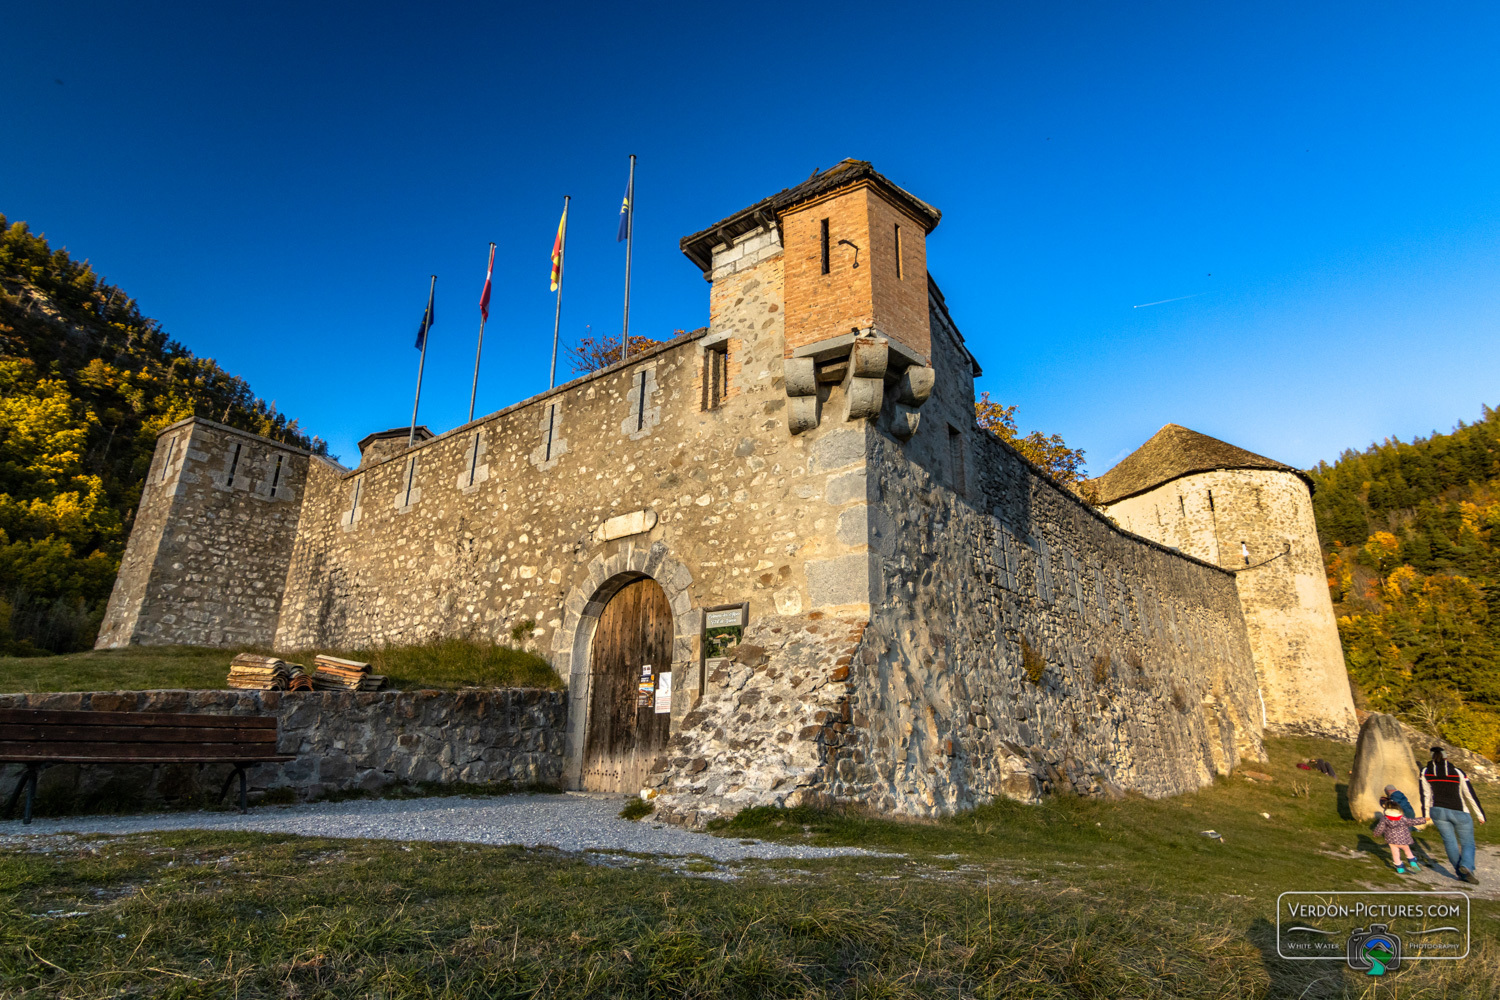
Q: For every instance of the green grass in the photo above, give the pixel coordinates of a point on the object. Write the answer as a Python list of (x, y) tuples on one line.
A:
[(637, 809), (445, 663), (1068, 899)]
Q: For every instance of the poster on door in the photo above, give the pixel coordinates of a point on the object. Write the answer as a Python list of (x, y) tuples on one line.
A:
[(645, 691), (664, 693)]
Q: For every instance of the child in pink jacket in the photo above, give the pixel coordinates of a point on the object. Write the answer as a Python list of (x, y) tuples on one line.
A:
[(1396, 828)]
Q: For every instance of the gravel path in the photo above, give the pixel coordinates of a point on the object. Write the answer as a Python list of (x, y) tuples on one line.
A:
[(571, 822)]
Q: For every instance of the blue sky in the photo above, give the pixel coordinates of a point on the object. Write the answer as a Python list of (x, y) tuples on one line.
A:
[(276, 184)]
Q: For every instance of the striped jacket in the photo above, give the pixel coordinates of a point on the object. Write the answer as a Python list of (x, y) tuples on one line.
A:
[(1445, 784)]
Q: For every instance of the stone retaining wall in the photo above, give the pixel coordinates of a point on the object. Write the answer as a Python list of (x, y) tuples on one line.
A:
[(343, 741)]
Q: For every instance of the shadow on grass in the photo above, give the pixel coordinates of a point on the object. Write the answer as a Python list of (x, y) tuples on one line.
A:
[(1307, 979), (1342, 791)]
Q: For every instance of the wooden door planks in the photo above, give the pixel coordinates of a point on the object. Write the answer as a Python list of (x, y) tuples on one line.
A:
[(624, 740)]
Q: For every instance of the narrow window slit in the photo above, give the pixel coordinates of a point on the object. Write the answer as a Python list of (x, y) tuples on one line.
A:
[(276, 476), (234, 462), (640, 404), (825, 245), (715, 375), (167, 465), (474, 459), (900, 269), (411, 475), (551, 425)]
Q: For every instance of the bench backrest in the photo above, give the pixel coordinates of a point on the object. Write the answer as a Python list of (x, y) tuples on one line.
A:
[(28, 734)]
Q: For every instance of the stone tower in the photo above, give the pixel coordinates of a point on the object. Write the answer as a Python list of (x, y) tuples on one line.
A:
[(1252, 516), (208, 553)]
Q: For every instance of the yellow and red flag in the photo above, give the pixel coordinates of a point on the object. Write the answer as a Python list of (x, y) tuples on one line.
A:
[(557, 249)]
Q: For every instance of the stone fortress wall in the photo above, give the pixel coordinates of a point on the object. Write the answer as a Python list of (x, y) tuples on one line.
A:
[(1144, 678), (207, 557), (1259, 523), (933, 621)]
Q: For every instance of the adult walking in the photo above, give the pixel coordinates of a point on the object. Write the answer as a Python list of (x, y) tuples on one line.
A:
[(1448, 799)]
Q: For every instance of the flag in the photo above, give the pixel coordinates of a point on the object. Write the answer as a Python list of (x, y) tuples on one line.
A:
[(427, 320), (557, 249), (484, 297), (625, 214)]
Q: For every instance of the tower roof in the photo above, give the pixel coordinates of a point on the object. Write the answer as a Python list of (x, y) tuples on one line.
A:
[(699, 246), (1174, 452)]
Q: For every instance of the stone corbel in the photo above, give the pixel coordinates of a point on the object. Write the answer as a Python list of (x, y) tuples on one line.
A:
[(864, 385), (800, 377), (912, 390)]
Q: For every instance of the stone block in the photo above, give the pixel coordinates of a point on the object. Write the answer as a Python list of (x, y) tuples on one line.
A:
[(864, 397), (838, 581), (1381, 757), (800, 375), (915, 385), (869, 357), (837, 449), (847, 487), (621, 525), (904, 422), (802, 413)]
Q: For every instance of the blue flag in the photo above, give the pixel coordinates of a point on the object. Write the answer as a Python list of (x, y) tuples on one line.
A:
[(625, 213), (427, 320)]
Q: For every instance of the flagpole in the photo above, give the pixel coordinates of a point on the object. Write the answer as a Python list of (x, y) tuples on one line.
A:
[(427, 331), (629, 241), (562, 261), (483, 316)]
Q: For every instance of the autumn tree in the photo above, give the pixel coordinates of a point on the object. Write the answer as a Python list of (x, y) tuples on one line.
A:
[(592, 354), (1050, 452)]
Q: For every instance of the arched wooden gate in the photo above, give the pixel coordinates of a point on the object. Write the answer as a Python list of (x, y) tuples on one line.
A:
[(624, 737)]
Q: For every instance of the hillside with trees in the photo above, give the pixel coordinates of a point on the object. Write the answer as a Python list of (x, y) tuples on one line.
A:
[(1413, 554), (86, 383)]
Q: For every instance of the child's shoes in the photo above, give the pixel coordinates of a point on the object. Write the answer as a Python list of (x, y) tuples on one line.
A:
[(1400, 869), (1412, 866)]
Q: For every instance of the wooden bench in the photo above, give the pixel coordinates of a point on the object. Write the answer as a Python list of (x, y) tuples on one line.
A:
[(39, 738)]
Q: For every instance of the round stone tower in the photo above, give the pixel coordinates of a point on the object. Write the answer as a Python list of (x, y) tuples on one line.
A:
[(1253, 517)]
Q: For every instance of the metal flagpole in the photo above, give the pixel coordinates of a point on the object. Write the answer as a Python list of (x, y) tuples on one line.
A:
[(426, 332), (562, 262), (483, 315), (629, 241)]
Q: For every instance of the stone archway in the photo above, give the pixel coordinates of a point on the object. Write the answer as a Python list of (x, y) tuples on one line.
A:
[(572, 643)]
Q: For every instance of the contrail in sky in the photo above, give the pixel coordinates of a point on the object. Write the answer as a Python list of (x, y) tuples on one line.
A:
[(1165, 301)]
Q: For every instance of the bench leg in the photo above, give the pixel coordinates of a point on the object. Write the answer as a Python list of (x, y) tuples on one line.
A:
[(28, 785), (15, 796), (31, 775), (239, 771), (227, 782)]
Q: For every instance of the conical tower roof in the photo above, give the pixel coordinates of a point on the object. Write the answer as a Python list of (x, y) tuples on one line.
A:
[(1173, 452)]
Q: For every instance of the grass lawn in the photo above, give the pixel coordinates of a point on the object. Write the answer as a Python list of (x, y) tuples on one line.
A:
[(1068, 899), (447, 663)]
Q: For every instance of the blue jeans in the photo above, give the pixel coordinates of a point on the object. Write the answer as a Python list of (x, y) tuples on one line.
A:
[(1457, 829)]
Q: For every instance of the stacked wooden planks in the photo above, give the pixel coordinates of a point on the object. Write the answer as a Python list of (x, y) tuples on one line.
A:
[(254, 672), (333, 674)]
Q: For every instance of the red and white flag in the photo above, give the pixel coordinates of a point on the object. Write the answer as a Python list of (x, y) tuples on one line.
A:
[(484, 297)]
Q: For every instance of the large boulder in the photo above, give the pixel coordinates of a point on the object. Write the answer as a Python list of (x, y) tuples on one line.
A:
[(1381, 757)]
